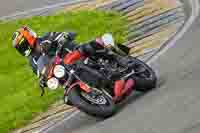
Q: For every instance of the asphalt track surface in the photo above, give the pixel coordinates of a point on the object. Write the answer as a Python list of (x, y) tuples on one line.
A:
[(173, 107), (8, 7)]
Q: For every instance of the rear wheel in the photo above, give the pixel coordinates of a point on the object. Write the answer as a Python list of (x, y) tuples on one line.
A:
[(144, 76), (96, 103)]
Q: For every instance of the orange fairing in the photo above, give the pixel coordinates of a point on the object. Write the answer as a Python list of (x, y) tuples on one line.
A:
[(50, 72), (72, 57), (84, 87)]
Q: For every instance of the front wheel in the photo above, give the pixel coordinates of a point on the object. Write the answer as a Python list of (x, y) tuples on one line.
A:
[(98, 105)]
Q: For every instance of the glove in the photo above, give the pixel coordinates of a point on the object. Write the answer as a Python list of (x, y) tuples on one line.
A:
[(45, 46), (65, 37), (71, 35)]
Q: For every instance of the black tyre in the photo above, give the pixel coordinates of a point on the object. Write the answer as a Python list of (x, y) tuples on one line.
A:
[(145, 80), (97, 110)]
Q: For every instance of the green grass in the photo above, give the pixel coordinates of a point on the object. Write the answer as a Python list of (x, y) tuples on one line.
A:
[(20, 97)]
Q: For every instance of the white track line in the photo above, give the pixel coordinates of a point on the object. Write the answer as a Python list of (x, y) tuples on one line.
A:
[(54, 125), (195, 12), (40, 9)]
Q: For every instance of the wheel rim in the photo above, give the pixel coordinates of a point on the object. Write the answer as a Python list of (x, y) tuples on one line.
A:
[(95, 98)]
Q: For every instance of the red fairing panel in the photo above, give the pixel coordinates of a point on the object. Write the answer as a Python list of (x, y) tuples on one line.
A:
[(72, 57)]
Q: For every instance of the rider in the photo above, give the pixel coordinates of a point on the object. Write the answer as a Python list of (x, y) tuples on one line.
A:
[(40, 49)]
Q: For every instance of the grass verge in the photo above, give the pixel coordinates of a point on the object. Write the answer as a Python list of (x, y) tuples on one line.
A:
[(19, 91)]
